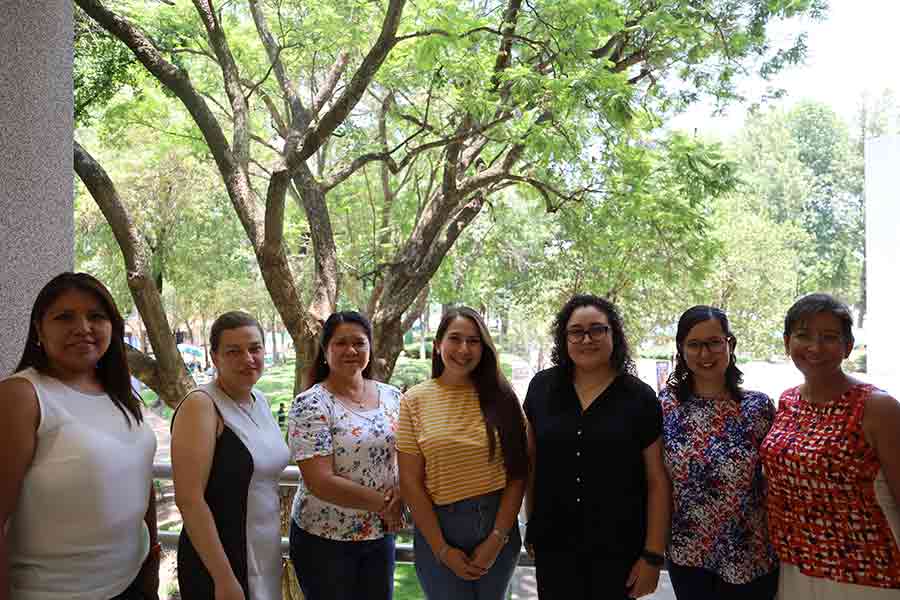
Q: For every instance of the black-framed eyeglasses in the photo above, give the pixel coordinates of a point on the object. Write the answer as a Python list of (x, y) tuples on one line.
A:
[(716, 345), (594, 332)]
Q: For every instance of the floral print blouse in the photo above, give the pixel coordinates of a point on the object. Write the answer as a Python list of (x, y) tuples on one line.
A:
[(363, 445), (712, 455)]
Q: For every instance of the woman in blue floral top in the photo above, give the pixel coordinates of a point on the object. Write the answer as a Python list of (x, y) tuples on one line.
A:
[(341, 433), (719, 545)]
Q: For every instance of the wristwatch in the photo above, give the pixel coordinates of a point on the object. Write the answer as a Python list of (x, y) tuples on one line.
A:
[(652, 558)]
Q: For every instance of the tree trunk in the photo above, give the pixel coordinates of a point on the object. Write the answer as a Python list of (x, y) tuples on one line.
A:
[(305, 350), (388, 344), (172, 382), (275, 360)]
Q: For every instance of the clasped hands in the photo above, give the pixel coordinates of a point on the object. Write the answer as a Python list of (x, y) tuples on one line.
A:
[(475, 565), (392, 511)]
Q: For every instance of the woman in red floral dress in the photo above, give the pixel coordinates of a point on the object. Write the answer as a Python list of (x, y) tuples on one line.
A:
[(832, 459)]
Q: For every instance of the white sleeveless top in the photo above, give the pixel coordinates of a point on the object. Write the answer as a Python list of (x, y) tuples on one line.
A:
[(260, 434), (78, 531)]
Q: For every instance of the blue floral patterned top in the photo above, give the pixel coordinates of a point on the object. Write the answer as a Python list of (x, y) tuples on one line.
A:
[(712, 455), (363, 445)]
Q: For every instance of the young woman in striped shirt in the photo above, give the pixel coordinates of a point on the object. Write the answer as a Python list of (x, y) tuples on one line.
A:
[(463, 465)]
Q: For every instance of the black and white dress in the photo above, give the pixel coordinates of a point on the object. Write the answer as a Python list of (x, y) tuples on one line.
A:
[(242, 494)]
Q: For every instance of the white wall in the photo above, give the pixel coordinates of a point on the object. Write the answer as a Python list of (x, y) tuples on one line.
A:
[(36, 211), (883, 261)]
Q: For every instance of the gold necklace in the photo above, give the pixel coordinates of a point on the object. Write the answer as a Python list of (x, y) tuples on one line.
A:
[(347, 399)]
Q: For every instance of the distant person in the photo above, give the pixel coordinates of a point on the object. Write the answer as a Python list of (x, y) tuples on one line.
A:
[(463, 465), (77, 508), (719, 544), (832, 460), (227, 457), (342, 436), (599, 501)]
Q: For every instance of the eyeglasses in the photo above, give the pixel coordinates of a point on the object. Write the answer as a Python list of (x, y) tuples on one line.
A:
[(806, 338), (594, 332), (713, 345)]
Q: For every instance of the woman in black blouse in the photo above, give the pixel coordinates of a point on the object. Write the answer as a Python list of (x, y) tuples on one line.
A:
[(599, 500)]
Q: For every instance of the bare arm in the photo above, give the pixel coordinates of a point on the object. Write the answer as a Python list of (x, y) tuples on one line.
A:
[(321, 480), (193, 443), (659, 498), (416, 497), (644, 577), (532, 463), (150, 570), (19, 419), (881, 425)]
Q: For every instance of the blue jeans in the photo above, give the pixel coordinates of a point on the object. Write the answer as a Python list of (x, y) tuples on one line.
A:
[(336, 570), (694, 583), (465, 524)]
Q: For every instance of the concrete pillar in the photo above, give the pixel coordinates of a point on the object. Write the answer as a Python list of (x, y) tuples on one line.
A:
[(883, 262), (36, 177)]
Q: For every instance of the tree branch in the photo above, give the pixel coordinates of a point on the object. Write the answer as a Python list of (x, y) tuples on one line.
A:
[(177, 80), (299, 117), (300, 150), (331, 81), (173, 381), (231, 77)]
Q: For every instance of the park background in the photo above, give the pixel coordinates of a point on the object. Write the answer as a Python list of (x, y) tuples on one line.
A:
[(399, 158)]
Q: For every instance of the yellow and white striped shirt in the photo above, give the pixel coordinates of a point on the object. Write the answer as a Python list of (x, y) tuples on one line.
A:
[(445, 425)]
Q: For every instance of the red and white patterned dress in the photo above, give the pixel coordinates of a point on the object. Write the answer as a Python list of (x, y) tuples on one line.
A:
[(829, 509)]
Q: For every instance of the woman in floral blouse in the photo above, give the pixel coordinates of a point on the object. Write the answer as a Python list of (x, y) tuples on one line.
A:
[(719, 545), (341, 433)]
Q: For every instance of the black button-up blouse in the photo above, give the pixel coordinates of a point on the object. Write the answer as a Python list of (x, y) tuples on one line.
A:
[(590, 489)]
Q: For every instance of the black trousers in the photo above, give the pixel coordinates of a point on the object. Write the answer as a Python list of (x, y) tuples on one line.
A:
[(694, 583), (566, 575)]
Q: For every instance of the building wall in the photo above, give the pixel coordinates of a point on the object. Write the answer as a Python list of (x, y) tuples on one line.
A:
[(36, 185), (883, 261)]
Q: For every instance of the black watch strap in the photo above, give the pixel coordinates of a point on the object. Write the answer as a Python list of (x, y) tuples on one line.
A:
[(653, 559)]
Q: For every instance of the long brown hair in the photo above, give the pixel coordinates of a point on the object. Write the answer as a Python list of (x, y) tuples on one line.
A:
[(112, 368), (499, 404)]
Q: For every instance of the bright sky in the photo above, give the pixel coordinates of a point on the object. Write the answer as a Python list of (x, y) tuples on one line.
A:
[(857, 49)]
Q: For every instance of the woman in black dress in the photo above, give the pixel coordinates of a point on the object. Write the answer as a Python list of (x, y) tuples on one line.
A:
[(599, 498)]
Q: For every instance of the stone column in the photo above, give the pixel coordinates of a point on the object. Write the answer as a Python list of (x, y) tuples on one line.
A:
[(36, 177), (883, 262)]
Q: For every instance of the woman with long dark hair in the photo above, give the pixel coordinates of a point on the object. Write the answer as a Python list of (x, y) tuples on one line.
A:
[(227, 458), (719, 545), (77, 509), (598, 501), (463, 465), (341, 433)]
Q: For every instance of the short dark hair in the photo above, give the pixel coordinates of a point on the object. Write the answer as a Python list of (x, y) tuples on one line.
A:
[(112, 368), (812, 304), (499, 405), (681, 382), (232, 320), (620, 360), (319, 369)]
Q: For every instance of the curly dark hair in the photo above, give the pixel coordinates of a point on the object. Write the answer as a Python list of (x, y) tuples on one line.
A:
[(499, 405), (681, 381), (620, 359), (112, 369), (319, 370)]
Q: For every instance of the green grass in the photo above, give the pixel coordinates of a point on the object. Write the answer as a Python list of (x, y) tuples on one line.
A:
[(406, 584)]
